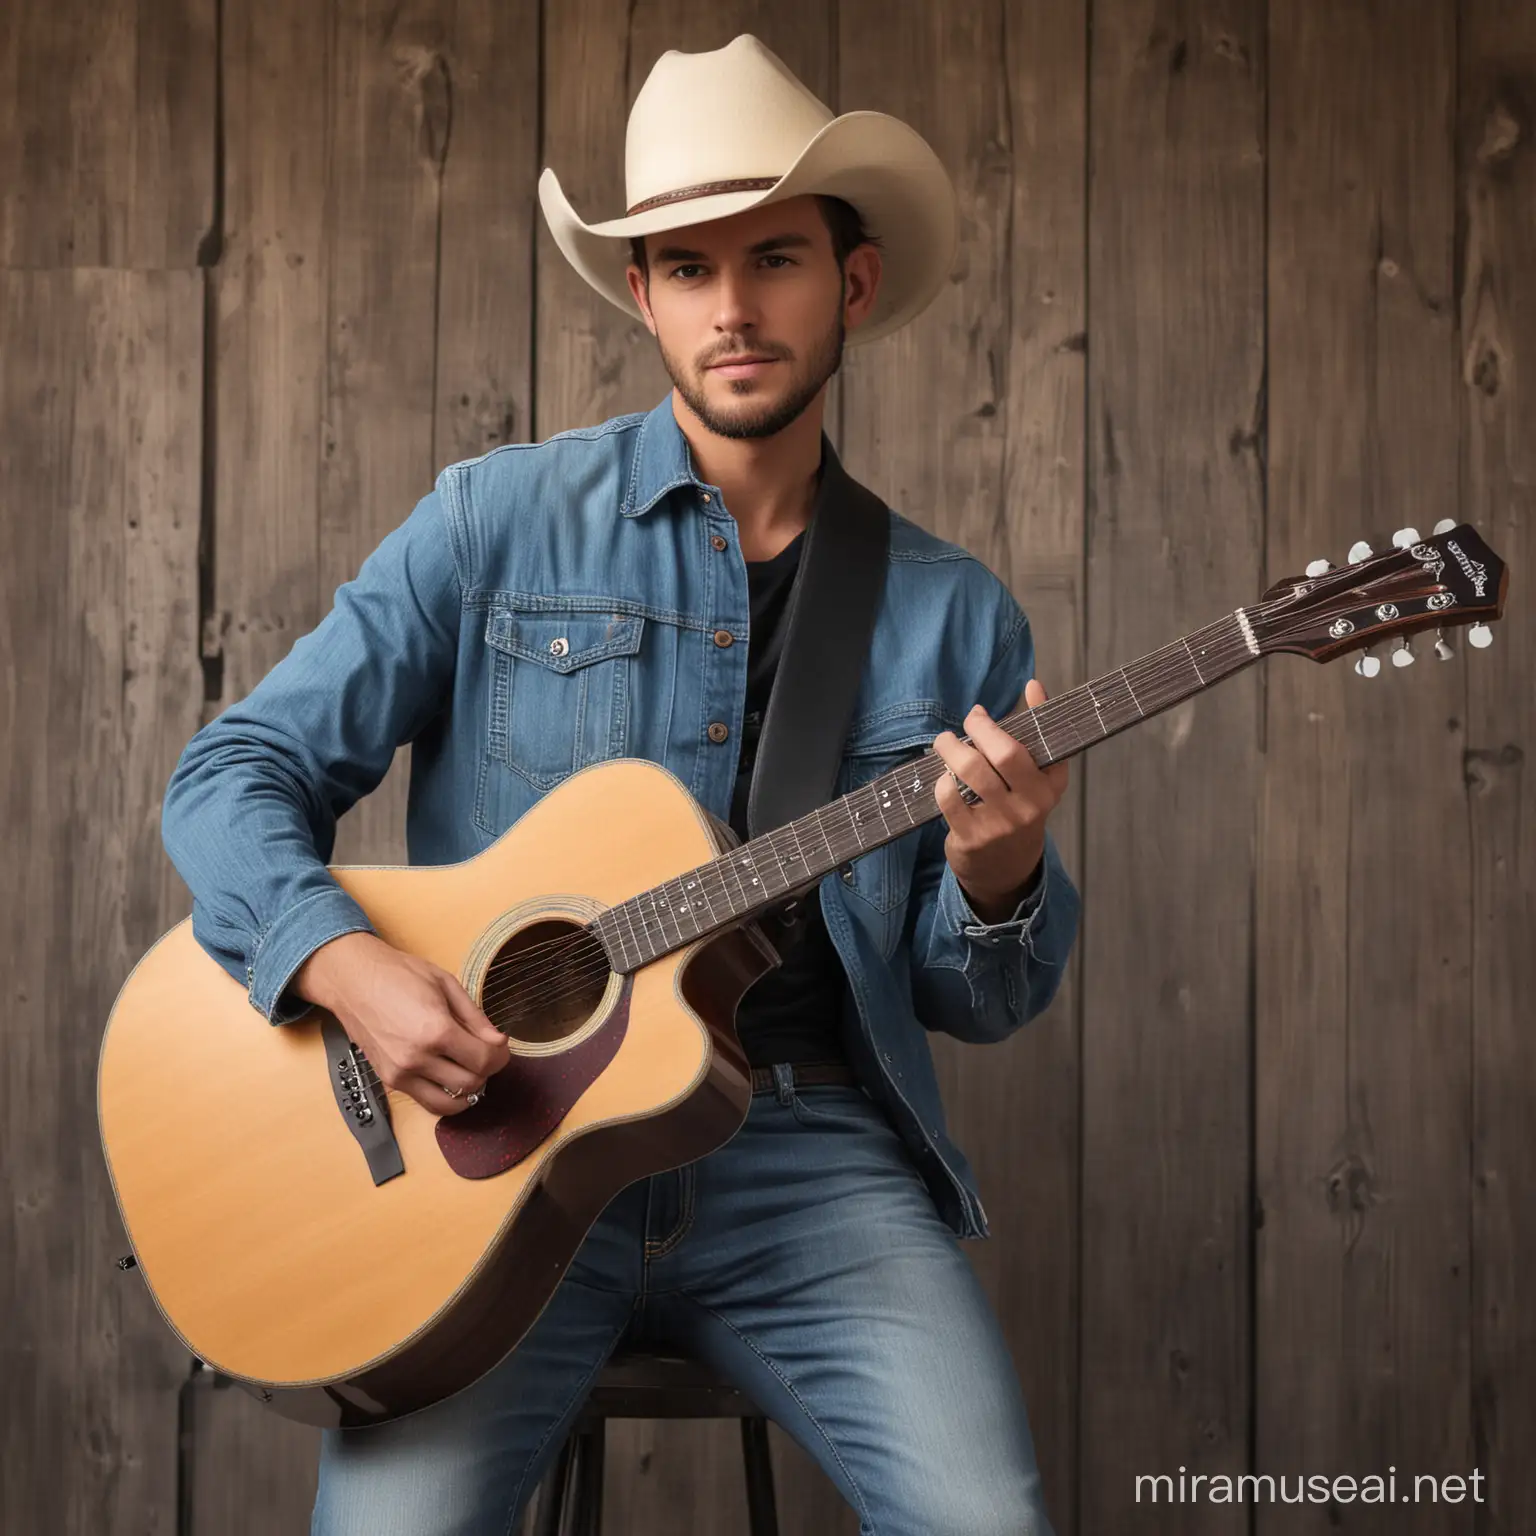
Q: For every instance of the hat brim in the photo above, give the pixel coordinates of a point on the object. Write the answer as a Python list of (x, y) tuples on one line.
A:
[(870, 159)]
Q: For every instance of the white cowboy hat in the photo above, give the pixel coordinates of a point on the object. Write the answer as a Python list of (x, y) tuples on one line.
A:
[(712, 134)]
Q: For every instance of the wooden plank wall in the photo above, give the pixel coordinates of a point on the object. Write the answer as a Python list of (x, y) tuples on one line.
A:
[(99, 411), (974, 411), (1174, 520), (101, 448), (1240, 283), (1364, 964), (1496, 341)]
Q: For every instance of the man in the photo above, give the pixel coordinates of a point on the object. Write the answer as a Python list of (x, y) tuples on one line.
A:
[(814, 1258)]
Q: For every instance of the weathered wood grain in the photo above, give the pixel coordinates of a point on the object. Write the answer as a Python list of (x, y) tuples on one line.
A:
[(1497, 211), (390, 133), (251, 1473), (593, 362), (100, 396), (270, 330), (1362, 1097), (106, 132), (1175, 370), (485, 276), (970, 421)]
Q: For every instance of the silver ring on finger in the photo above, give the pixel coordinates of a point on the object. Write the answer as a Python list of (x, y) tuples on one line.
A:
[(454, 1093)]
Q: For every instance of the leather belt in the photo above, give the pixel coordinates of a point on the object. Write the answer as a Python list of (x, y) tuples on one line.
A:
[(807, 1074)]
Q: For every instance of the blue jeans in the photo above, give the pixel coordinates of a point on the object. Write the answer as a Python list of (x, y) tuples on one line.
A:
[(804, 1261)]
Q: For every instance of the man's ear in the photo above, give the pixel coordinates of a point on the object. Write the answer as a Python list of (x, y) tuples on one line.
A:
[(640, 288), (865, 265)]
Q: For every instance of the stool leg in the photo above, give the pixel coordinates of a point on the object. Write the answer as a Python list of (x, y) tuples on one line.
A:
[(587, 1517), (557, 1492), (762, 1511)]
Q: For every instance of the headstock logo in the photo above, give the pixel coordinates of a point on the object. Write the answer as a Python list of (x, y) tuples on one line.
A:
[(1476, 572)]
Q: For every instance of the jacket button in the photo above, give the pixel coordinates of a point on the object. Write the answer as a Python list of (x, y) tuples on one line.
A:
[(718, 731), (723, 637), (716, 542)]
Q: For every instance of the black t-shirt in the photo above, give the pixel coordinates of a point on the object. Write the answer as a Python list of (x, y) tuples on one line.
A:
[(793, 1013)]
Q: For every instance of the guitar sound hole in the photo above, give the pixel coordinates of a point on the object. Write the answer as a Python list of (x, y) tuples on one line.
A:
[(545, 982)]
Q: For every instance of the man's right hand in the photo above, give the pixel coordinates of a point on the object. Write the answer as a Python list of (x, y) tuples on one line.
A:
[(419, 1028)]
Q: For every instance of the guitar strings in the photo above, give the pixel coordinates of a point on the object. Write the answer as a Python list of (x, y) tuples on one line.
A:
[(1074, 717), (567, 980), (541, 991), (526, 993), (554, 955)]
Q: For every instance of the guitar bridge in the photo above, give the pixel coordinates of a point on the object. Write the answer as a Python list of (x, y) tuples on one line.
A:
[(360, 1097)]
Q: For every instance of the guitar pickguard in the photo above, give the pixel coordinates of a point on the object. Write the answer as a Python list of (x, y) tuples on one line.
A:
[(528, 1098)]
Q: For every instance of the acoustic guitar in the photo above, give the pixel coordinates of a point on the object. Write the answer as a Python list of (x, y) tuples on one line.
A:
[(347, 1256)]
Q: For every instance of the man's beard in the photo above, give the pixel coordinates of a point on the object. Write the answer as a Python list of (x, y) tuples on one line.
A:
[(767, 417)]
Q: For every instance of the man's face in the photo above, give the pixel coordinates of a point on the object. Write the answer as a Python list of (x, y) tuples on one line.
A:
[(761, 284)]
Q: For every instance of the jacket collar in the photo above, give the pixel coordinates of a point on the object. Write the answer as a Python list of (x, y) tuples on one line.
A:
[(662, 461)]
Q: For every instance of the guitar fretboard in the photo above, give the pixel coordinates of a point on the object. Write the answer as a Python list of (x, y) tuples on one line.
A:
[(759, 874)]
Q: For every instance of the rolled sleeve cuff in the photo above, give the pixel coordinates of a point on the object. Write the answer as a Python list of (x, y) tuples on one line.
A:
[(290, 941), (1018, 925)]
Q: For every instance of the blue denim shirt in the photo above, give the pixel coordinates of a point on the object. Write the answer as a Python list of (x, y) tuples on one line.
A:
[(607, 538)]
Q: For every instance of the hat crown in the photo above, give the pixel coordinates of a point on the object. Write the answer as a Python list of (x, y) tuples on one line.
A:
[(731, 113)]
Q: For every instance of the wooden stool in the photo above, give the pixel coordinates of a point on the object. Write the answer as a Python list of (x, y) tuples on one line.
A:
[(642, 1385)]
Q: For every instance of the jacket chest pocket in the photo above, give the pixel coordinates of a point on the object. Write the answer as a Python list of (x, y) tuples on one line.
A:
[(560, 690)]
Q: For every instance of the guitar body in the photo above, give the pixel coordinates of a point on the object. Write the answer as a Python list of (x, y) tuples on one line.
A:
[(262, 1234)]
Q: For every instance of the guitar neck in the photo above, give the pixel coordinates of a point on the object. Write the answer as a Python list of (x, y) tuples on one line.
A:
[(758, 875)]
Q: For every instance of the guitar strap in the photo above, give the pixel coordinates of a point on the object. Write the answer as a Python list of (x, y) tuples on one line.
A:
[(831, 617)]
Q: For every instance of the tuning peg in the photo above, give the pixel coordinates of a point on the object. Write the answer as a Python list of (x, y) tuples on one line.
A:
[(1358, 552), (1319, 567), (1442, 646), (1445, 525), (1403, 656), (1367, 665), (1405, 536), (1480, 636)]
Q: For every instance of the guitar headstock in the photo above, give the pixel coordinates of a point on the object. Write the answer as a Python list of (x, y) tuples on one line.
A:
[(1448, 580)]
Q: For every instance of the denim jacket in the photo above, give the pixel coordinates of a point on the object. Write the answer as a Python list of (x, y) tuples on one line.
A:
[(606, 539)]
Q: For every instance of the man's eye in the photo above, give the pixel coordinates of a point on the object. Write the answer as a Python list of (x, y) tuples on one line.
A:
[(687, 267)]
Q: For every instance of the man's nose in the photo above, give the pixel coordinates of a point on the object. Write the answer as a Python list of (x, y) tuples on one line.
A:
[(736, 304)]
